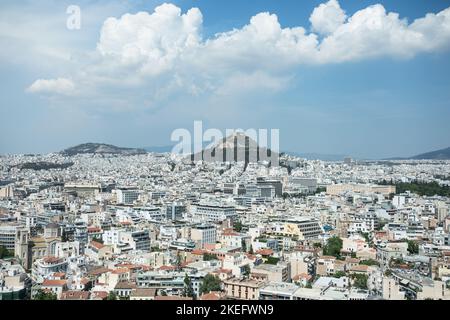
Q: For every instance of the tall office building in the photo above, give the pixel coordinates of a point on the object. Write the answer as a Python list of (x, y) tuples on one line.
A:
[(174, 211)]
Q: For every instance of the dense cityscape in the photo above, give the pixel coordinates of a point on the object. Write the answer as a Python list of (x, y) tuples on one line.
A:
[(224, 158), (159, 226)]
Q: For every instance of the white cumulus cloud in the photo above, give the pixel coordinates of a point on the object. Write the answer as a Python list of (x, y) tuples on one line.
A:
[(147, 56), (327, 17), (151, 41), (373, 32), (59, 86)]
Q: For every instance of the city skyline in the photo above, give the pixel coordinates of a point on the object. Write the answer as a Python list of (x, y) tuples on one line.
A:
[(335, 77)]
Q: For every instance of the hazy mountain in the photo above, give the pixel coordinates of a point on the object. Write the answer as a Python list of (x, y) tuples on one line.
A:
[(159, 149), (442, 154), (101, 148), (236, 144)]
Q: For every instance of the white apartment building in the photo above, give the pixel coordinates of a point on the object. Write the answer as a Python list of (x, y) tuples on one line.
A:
[(8, 236), (236, 263), (204, 234), (214, 213)]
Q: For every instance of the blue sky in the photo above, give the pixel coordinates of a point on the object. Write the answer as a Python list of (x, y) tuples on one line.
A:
[(355, 80)]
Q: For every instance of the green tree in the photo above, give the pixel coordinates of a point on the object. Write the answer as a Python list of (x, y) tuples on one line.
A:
[(244, 245), (98, 239), (210, 283), (360, 281), (44, 295), (64, 236), (272, 260), (333, 247), (188, 290), (381, 225), (413, 247), (369, 262), (5, 253), (366, 236), (421, 188), (246, 271), (209, 256), (339, 274), (111, 296), (320, 190), (237, 226), (178, 262)]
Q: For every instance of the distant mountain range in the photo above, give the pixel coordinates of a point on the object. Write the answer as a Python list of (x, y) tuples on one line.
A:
[(160, 149), (101, 148), (442, 154), (240, 143)]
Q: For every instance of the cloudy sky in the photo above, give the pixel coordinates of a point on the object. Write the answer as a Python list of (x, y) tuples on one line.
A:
[(364, 78)]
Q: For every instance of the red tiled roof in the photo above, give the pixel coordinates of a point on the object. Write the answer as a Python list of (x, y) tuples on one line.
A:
[(265, 252), (300, 276), (120, 271), (99, 294), (230, 233), (167, 268), (212, 296), (59, 274), (53, 283), (50, 259), (75, 295), (99, 271), (222, 270), (97, 245)]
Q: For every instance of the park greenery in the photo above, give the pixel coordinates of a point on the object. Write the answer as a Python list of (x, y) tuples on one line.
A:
[(44, 295), (112, 296), (237, 226), (369, 262), (210, 283), (272, 260), (209, 256), (5, 253), (413, 247), (420, 188), (333, 247), (359, 281), (339, 274)]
